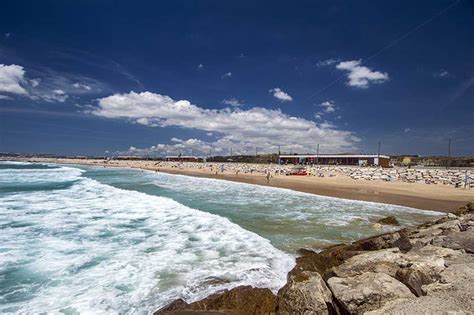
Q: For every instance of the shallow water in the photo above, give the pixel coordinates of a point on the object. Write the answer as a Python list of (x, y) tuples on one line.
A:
[(87, 239)]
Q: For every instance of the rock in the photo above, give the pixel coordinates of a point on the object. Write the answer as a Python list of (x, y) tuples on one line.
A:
[(469, 207), (430, 259), (453, 294), (367, 292), (457, 240), (239, 300), (414, 278), (171, 307), (383, 241), (403, 243), (390, 220), (452, 216), (385, 260), (305, 293), (323, 261)]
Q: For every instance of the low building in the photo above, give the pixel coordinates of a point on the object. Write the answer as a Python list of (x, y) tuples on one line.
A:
[(183, 158), (337, 159)]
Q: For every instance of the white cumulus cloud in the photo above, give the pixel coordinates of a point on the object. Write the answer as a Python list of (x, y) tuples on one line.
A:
[(11, 77), (360, 76), (243, 129), (281, 95), (328, 106)]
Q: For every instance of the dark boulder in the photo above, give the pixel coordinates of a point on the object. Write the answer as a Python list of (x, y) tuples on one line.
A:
[(239, 300), (414, 279), (390, 220)]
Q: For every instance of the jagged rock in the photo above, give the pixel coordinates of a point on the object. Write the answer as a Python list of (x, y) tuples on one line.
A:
[(430, 259), (390, 220), (452, 294), (377, 242), (414, 278), (403, 243), (469, 207), (239, 300), (323, 261), (305, 293), (171, 307), (431, 231), (457, 240), (366, 292), (385, 261)]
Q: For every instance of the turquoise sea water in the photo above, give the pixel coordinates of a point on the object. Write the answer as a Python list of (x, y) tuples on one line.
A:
[(77, 239)]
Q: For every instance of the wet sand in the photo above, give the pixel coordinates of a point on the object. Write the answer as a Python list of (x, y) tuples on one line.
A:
[(416, 195)]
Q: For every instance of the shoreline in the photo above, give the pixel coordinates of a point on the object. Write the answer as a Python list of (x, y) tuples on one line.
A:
[(408, 262), (362, 193), (427, 268), (414, 195)]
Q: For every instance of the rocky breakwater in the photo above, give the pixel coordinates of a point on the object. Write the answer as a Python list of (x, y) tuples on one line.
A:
[(426, 269), (457, 178)]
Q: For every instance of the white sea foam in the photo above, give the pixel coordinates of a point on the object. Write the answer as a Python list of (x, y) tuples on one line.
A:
[(93, 248), (14, 163), (285, 202), (39, 176)]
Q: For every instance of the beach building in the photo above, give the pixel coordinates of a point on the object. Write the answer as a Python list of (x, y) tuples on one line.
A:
[(182, 158), (337, 159)]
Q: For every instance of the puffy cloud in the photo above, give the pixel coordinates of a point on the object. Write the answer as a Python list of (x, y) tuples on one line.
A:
[(327, 62), (238, 129), (281, 95), (226, 75), (11, 77), (360, 76), (232, 102), (328, 106)]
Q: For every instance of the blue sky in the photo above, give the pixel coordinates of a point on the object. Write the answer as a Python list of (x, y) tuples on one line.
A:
[(155, 77)]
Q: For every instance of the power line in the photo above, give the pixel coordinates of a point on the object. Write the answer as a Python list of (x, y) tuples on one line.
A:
[(392, 44)]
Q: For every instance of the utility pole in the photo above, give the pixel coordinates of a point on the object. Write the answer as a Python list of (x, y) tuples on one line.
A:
[(231, 152), (317, 155), (256, 151), (378, 155), (449, 153), (279, 151)]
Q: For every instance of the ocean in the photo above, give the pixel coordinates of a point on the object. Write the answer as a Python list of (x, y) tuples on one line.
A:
[(82, 239)]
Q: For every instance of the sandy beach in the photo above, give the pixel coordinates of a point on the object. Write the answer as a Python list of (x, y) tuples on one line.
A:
[(417, 195)]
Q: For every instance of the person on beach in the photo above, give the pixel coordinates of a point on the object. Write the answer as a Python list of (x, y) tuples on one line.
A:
[(268, 177)]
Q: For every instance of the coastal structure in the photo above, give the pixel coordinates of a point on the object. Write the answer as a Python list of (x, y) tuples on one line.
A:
[(337, 159)]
